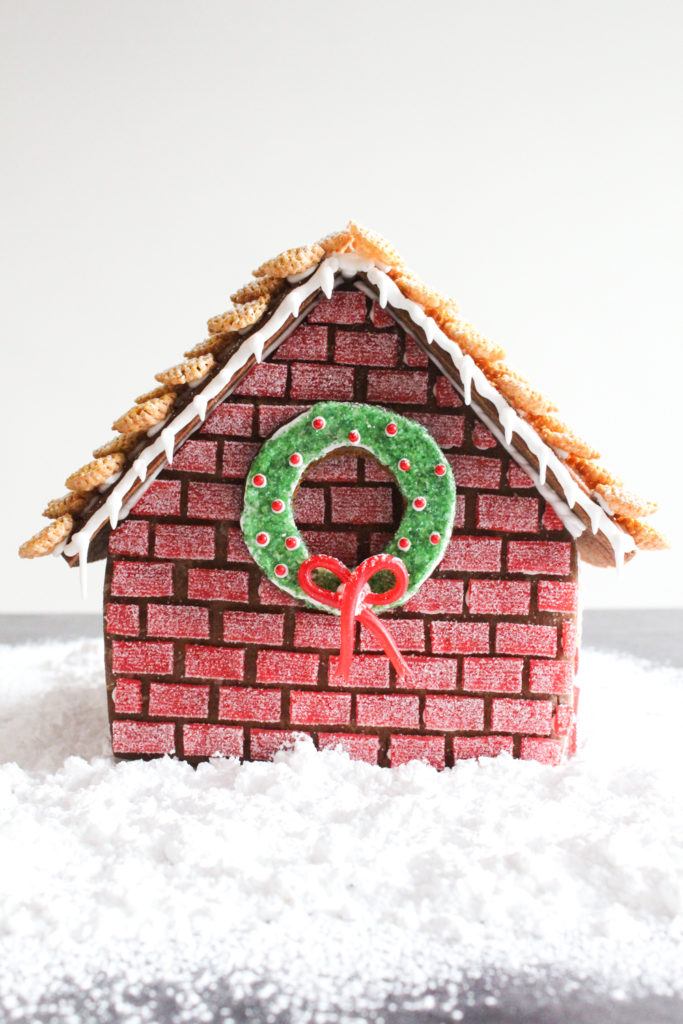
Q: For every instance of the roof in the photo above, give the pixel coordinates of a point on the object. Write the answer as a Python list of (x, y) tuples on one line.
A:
[(605, 518)]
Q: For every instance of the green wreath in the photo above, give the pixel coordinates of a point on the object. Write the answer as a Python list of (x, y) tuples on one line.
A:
[(403, 446)]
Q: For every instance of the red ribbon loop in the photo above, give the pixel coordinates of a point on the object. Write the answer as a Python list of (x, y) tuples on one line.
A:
[(352, 600)]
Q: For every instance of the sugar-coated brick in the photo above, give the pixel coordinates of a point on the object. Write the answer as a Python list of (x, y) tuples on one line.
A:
[(197, 456), (237, 458), (264, 380), (177, 620), (332, 383), (397, 387), (513, 714), (181, 541), (162, 498), (217, 585), (564, 719), (447, 430), (482, 437), (430, 749), (539, 557), (214, 662), (309, 707), (309, 505), (430, 674), (144, 656), (343, 307), (236, 548), (143, 738), (362, 348), (129, 538), (253, 627), (526, 638), (128, 696), (388, 710), (551, 676), (341, 544), (473, 554), (498, 597), (269, 594), (270, 417), (359, 747), (557, 596), (214, 501), (212, 741), (460, 637), (339, 469), (142, 579), (287, 668), (378, 542), (239, 703), (480, 471), (375, 473), (551, 521), (380, 317), (230, 420), (451, 713), (312, 629), (569, 646), (481, 746), (445, 393), (409, 634), (181, 700), (517, 477), (123, 619), (461, 503), (358, 505), (435, 596), (502, 675), (413, 355), (265, 743), (509, 514), (306, 342), (366, 672), (547, 751)]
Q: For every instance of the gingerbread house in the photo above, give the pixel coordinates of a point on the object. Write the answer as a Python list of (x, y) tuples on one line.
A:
[(343, 516)]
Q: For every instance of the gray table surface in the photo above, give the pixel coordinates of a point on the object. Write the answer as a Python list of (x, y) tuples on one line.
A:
[(656, 635)]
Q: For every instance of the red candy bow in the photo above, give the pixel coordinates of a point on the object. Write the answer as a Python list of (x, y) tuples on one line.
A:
[(353, 598)]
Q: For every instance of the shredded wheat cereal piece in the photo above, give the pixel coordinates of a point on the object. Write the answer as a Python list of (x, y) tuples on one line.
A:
[(520, 392), (154, 393), (483, 351), (414, 288), (647, 537), (291, 261), (558, 435), (94, 473), (185, 373), (238, 318), (120, 443), (625, 503), (214, 344), (144, 416), (46, 540), (338, 241), (368, 243), (256, 289), (70, 503), (592, 473)]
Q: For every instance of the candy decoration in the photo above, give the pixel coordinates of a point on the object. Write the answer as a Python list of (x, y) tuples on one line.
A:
[(326, 427), (354, 436), (391, 429), (439, 469), (352, 600), (262, 539), (258, 480), (281, 570), (295, 459)]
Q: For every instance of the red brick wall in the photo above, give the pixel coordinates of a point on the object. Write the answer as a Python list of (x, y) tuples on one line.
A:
[(205, 655)]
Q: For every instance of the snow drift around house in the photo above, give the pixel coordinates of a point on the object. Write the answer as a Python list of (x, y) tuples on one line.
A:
[(317, 882)]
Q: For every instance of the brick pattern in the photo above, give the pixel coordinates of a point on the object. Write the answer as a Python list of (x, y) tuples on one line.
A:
[(206, 657)]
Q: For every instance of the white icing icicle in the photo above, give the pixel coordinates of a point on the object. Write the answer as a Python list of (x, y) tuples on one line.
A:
[(140, 467), (542, 457), (200, 404), (168, 439), (82, 543), (113, 506), (466, 377), (508, 420)]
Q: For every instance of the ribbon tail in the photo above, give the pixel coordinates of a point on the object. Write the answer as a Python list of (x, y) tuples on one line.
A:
[(348, 634), (381, 633)]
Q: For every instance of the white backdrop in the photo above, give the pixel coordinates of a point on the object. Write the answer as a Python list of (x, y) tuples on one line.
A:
[(526, 158)]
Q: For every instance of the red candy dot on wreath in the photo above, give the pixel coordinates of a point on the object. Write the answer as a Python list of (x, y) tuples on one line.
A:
[(295, 459), (354, 436), (281, 570), (278, 506), (404, 543), (391, 429), (419, 504), (291, 543), (404, 464), (440, 469), (258, 480), (262, 539), (435, 538), (318, 423)]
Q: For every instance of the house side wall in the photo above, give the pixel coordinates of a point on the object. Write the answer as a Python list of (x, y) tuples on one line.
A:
[(204, 655)]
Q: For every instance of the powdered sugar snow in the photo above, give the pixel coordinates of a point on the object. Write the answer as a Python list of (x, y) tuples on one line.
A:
[(316, 886)]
